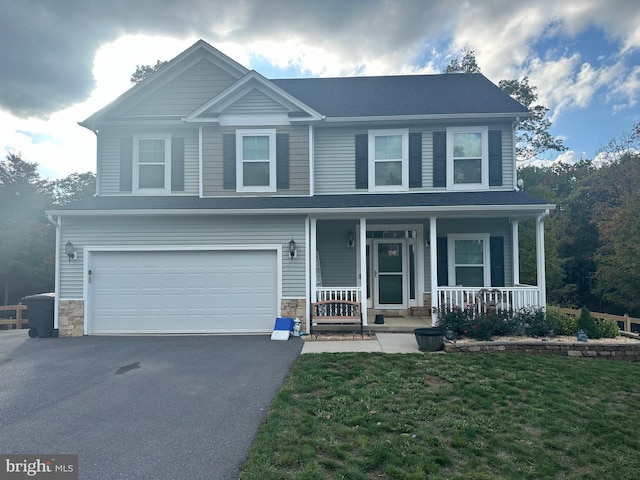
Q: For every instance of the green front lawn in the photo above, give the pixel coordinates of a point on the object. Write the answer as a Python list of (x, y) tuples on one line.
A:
[(378, 416)]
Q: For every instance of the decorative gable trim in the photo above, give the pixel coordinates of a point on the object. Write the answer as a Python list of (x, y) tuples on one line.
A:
[(173, 69), (214, 108)]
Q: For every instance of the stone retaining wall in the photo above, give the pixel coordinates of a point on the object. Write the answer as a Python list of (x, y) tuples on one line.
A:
[(593, 349)]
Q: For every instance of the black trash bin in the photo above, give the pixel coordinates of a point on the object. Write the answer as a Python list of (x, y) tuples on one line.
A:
[(40, 314)]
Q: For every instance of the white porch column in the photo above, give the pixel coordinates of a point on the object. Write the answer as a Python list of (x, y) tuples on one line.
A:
[(515, 252), (363, 268), (313, 268), (540, 259), (433, 260)]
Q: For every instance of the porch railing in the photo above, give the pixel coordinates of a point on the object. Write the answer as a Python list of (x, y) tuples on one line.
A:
[(350, 294), (503, 298)]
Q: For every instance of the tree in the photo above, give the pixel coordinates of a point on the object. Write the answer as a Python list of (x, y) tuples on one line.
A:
[(143, 71), (467, 65), (532, 134), (76, 186), (27, 239), (618, 223)]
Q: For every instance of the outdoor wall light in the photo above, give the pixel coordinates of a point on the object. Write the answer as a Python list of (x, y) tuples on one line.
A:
[(70, 251), (351, 241), (292, 249)]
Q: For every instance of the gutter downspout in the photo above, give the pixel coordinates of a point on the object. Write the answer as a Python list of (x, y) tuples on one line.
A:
[(58, 225)]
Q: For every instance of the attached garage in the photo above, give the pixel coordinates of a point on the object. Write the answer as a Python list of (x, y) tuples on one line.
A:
[(182, 291)]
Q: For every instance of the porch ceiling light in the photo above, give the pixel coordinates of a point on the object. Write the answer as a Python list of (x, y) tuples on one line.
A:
[(69, 250), (351, 240), (292, 249)]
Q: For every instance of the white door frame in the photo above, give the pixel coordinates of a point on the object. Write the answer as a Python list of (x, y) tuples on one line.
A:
[(418, 243)]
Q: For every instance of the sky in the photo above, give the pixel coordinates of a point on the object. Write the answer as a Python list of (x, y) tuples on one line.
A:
[(62, 60)]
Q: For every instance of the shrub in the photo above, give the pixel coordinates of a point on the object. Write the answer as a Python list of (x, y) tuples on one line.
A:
[(563, 324), (608, 328), (537, 322), (587, 323)]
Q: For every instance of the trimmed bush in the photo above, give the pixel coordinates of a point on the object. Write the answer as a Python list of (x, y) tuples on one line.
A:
[(587, 323)]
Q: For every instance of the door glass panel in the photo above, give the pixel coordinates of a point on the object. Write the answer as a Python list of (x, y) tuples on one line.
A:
[(368, 272), (390, 274), (390, 287), (390, 257), (412, 272)]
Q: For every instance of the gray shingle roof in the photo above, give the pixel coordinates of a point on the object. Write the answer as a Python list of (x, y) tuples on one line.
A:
[(310, 204), (402, 95)]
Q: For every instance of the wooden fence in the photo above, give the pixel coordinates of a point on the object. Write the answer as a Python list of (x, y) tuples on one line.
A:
[(625, 322), (13, 319)]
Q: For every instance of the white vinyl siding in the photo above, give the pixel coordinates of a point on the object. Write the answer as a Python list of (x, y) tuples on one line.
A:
[(254, 102), (335, 158), (182, 95), (183, 230), (109, 159)]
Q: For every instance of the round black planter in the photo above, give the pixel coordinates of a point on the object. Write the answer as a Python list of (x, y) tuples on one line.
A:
[(429, 339)]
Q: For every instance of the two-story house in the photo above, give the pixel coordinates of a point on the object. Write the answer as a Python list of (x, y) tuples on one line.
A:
[(225, 199)]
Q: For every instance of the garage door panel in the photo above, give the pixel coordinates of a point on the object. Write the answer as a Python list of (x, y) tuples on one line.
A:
[(177, 291)]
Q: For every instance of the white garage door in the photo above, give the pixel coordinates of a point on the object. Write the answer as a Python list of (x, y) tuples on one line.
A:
[(183, 292)]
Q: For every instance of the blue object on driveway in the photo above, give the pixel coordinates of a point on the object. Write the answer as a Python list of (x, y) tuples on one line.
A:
[(284, 324)]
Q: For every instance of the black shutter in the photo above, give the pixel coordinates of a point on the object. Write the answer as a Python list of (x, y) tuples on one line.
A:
[(177, 164), (443, 263), (362, 160), (415, 160), (229, 160), (282, 160), (496, 250), (126, 164), (439, 159), (495, 157)]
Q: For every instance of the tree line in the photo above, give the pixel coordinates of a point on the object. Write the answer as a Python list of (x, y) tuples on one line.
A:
[(592, 239), (27, 238)]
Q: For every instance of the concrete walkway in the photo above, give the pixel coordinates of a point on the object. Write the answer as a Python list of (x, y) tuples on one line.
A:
[(383, 342)]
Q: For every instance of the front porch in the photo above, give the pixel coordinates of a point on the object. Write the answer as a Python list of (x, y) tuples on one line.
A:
[(408, 273)]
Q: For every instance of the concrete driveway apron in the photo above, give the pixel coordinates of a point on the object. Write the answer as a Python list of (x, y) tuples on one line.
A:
[(156, 407)]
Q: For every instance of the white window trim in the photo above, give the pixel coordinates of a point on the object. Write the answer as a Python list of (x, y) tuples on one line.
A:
[(136, 167), (451, 260), (484, 185), (271, 133), (405, 161)]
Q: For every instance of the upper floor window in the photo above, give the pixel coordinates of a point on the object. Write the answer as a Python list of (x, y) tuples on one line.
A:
[(152, 163), (389, 160), (467, 158), (256, 160)]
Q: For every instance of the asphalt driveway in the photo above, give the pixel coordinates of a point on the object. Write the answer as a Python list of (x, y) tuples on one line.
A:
[(164, 407)]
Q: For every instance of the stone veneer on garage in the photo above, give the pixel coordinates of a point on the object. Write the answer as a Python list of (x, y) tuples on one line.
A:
[(71, 315), (294, 308), (71, 318), (591, 349)]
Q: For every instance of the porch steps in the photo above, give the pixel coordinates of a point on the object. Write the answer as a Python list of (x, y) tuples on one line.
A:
[(397, 324)]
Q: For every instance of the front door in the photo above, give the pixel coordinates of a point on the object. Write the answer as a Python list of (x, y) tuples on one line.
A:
[(390, 275)]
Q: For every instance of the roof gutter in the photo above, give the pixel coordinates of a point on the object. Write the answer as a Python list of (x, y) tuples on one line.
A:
[(306, 211)]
